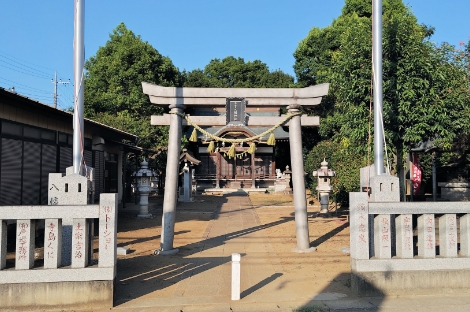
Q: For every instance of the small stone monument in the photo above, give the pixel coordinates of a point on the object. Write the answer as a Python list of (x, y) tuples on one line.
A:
[(324, 185), (187, 171)]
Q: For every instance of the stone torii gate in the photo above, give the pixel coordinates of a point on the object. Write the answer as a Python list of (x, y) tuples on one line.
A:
[(177, 99)]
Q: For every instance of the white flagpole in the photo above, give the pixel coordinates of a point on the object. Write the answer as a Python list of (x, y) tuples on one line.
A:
[(78, 61), (377, 71)]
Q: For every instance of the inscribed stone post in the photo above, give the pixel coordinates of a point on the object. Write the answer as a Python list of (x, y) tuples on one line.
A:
[(25, 230), (107, 230), (404, 230), (448, 235), (359, 225), (384, 188), (52, 243), (426, 236), (3, 243), (382, 237), (79, 243), (465, 235), (71, 189)]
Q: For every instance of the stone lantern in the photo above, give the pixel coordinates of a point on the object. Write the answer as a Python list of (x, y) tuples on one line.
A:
[(324, 185), (144, 178), (287, 175)]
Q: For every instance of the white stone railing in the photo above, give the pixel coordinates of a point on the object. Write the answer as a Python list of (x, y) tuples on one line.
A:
[(52, 271), (382, 229)]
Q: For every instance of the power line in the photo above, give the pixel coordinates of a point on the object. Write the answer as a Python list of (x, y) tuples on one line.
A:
[(24, 86), (20, 70), (22, 65), (69, 94), (36, 96), (10, 58)]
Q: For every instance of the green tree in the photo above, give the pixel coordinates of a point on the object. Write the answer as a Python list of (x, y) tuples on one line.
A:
[(113, 89), (232, 72), (425, 88), (343, 161)]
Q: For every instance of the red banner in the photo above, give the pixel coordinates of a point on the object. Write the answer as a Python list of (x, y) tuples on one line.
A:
[(416, 174)]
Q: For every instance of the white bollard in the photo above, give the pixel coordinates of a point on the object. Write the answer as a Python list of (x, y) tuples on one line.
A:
[(235, 276)]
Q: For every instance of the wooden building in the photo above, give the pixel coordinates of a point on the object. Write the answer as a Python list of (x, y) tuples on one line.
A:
[(36, 139), (245, 170)]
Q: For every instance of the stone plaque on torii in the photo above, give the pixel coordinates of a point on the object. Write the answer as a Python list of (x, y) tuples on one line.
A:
[(177, 99)]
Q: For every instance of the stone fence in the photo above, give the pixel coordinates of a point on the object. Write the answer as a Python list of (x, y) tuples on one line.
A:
[(409, 247), (84, 283)]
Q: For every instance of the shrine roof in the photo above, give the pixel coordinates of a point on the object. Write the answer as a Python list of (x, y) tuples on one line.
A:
[(187, 156)]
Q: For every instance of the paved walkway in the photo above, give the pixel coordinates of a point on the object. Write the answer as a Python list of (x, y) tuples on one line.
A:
[(204, 284)]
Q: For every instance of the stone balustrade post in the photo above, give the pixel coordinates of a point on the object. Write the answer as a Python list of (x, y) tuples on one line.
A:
[(359, 225), (426, 236), (404, 230), (382, 237), (79, 243), (52, 243), (465, 235), (25, 230), (448, 235)]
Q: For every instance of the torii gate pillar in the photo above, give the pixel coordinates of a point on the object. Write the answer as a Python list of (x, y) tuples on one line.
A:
[(171, 182), (298, 183)]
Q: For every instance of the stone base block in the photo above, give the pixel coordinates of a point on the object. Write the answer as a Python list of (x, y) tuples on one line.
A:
[(122, 251), (297, 250), (235, 184), (426, 282), (90, 295)]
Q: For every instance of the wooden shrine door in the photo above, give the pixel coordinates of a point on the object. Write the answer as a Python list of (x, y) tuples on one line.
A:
[(243, 169)]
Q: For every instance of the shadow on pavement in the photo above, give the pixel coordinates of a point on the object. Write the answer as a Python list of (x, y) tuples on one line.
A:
[(328, 235), (144, 274), (329, 299), (260, 285)]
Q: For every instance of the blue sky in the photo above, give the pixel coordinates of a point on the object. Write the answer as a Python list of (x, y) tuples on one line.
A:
[(37, 36)]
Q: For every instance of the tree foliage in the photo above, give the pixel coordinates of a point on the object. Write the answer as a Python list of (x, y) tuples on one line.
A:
[(113, 85), (232, 72), (425, 87), (343, 161)]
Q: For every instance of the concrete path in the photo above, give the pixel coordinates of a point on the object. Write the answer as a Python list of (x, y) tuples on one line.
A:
[(205, 283)]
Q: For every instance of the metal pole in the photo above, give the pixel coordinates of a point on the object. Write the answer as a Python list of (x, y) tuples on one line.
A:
[(434, 177), (377, 71), (78, 61), (298, 183), (55, 90)]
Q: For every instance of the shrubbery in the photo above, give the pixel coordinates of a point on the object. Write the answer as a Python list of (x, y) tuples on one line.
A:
[(344, 161)]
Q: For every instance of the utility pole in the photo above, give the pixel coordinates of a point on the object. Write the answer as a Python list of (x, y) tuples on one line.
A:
[(55, 82)]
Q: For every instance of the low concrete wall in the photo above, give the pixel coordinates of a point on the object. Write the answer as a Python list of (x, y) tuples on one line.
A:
[(82, 284), (427, 282), (408, 248), (61, 295), (454, 191)]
